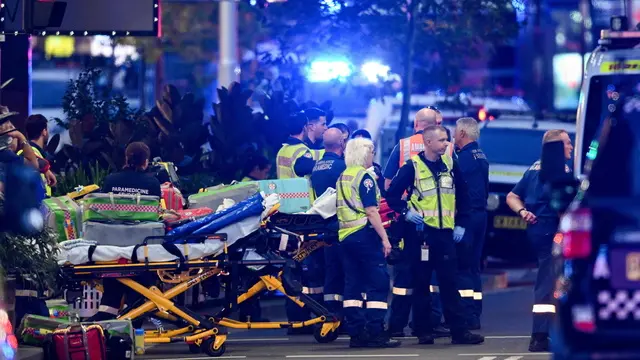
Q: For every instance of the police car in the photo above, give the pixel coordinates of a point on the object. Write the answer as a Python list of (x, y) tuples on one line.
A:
[(598, 245), (512, 145)]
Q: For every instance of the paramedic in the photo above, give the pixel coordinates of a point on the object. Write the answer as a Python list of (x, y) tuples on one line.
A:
[(294, 158), (529, 199), (132, 180), (257, 168), (363, 245), (402, 278), (38, 135), (474, 169), (377, 169), (430, 178), (324, 176), (316, 126)]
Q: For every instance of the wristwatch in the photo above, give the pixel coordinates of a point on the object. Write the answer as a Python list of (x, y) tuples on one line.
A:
[(521, 210)]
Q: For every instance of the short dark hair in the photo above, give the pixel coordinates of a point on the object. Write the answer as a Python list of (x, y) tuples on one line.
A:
[(361, 133), (137, 154), (314, 114), (297, 122), (342, 127), (256, 160), (34, 126), (432, 128)]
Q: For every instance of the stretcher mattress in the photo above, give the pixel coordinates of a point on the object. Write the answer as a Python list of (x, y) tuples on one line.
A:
[(77, 252)]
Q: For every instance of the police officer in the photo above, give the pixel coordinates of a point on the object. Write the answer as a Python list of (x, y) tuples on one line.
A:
[(429, 180), (325, 175), (530, 200), (364, 245), (257, 168), (294, 158), (133, 179), (402, 280), (472, 217)]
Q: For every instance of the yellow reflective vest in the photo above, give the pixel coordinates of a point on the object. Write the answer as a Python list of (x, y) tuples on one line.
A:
[(351, 214), (47, 188), (434, 197), (286, 159)]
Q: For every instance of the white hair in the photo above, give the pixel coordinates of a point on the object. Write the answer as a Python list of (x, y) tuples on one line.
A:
[(469, 126), (357, 151)]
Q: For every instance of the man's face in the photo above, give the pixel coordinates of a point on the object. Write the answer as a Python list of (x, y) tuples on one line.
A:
[(568, 147), (262, 174), (45, 136), (458, 135), (318, 128), (436, 142)]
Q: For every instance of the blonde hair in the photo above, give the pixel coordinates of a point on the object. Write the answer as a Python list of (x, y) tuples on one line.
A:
[(357, 151), (552, 135), (470, 127)]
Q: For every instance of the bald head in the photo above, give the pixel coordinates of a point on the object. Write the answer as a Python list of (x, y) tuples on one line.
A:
[(425, 117), (333, 140)]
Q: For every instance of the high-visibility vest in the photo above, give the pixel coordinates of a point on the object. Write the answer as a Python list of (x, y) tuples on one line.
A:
[(247, 179), (413, 145), (286, 160), (47, 188), (317, 154), (434, 200), (348, 195)]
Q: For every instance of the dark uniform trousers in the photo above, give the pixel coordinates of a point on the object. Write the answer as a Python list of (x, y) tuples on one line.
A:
[(333, 278), (366, 283), (541, 235), (469, 252), (312, 285), (442, 259)]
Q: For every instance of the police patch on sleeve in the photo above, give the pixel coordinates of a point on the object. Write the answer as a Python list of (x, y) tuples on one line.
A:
[(368, 183), (308, 155)]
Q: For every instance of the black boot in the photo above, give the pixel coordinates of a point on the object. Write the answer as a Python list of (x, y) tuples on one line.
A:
[(426, 339), (467, 338), (539, 342), (383, 341), (359, 341)]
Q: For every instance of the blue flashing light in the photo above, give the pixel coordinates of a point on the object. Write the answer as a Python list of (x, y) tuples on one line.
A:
[(326, 70)]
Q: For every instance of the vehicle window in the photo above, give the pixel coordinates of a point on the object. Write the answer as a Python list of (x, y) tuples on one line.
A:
[(506, 146), (593, 116), (616, 168)]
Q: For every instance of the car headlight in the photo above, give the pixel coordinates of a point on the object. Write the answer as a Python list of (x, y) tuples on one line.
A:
[(493, 202)]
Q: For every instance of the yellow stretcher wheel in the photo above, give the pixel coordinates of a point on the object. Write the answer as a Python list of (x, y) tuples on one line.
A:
[(208, 348), (330, 337)]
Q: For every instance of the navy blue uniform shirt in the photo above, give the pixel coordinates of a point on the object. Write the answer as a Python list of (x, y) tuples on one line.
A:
[(405, 179), (532, 192), (394, 159), (326, 172), (304, 165), (130, 181), (474, 169)]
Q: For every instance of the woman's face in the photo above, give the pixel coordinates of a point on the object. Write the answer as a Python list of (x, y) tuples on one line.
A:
[(369, 161)]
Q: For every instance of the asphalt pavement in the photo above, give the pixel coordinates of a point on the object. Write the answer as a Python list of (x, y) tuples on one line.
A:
[(506, 326)]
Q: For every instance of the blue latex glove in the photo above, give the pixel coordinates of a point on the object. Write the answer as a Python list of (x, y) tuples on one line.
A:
[(458, 234), (413, 217)]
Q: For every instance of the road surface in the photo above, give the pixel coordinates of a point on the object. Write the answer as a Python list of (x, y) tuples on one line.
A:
[(506, 325)]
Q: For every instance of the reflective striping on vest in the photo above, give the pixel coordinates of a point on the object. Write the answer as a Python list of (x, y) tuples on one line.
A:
[(466, 293), (434, 201), (286, 159), (544, 309), (435, 213), (401, 291), (434, 289), (312, 290), (355, 223), (409, 147), (377, 305), (352, 303), (332, 297), (348, 193), (26, 293), (477, 296)]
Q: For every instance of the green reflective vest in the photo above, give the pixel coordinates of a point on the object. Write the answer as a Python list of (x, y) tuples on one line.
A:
[(47, 188), (348, 193), (435, 200), (286, 160)]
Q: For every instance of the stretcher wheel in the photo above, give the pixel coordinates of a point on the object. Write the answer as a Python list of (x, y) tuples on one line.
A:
[(331, 336), (207, 348), (194, 349)]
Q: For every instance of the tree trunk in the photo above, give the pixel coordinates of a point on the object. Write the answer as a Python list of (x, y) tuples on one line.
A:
[(407, 77)]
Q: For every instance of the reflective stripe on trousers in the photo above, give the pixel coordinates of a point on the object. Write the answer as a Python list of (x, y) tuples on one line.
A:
[(312, 290), (466, 293), (333, 297), (407, 292), (544, 309), (477, 296)]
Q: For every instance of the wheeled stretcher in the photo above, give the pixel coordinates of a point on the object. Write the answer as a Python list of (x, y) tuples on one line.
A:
[(187, 263)]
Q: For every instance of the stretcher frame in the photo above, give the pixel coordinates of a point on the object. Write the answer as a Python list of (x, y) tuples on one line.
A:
[(202, 333)]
